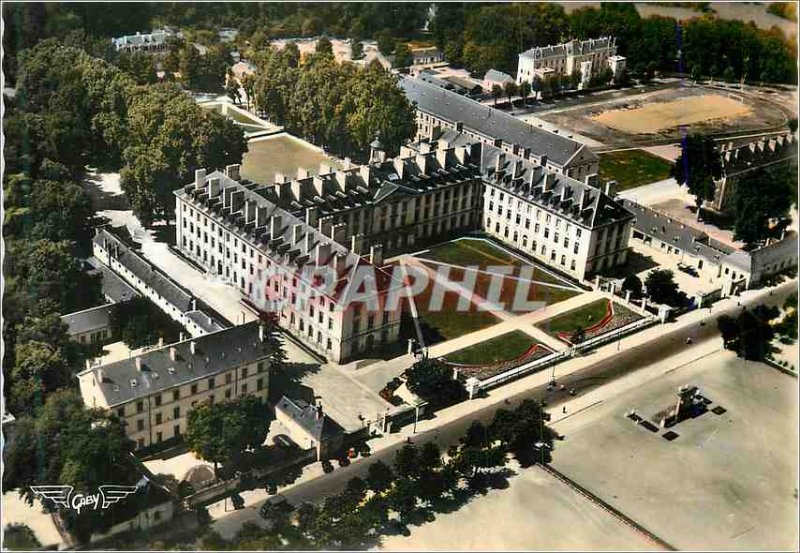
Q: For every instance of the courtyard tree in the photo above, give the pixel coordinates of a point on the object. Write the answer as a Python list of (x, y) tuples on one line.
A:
[(433, 381), (510, 89), (525, 91), (232, 87), (750, 334), (662, 288), (633, 284), (379, 476), (407, 462), (221, 432), (697, 167), (520, 429), (497, 92)]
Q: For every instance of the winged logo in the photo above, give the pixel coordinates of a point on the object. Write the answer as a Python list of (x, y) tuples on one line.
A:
[(57, 494), (114, 494), (63, 496)]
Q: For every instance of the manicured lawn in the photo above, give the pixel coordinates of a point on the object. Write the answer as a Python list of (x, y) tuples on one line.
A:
[(633, 168), (501, 348), (471, 253), (577, 318)]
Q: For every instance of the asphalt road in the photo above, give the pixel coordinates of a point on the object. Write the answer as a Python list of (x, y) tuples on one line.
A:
[(598, 374)]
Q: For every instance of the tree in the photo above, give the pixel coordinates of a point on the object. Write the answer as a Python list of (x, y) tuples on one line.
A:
[(386, 42), (139, 322), (407, 462), (403, 499), (750, 333), (497, 92), (510, 89), (433, 381), (232, 87), (356, 49), (324, 47), (634, 284), (520, 429), (697, 167), (402, 56), (728, 75), (379, 476), (662, 288), (525, 91), (696, 72), (728, 329), (40, 369), (791, 124), (761, 201), (220, 432)]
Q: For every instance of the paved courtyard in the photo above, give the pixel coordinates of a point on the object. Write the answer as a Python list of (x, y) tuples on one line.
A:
[(282, 153), (727, 482)]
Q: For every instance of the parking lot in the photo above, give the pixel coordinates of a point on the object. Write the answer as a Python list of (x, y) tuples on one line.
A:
[(727, 482)]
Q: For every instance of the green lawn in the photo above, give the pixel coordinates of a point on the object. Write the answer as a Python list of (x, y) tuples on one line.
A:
[(633, 168), (469, 253), (571, 320), (501, 348)]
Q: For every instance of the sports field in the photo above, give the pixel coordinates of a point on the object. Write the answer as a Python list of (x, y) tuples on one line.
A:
[(658, 116)]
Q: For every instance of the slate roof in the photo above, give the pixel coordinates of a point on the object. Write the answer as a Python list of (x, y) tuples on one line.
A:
[(573, 47), (525, 179), (497, 76), (215, 353), (489, 122), (88, 320), (144, 270), (204, 321), (309, 417), (689, 239), (114, 288)]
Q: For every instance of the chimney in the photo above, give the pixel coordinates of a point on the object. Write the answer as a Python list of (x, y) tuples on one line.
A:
[(611, 188), (237, 201), (233, 171), (339, 232), (280, 178), (376, 255), (302, 173), (543, 161), (250, 211), (193, 347), (213, 188), (533, 176), (261, 217), (340, 178), (262, 333), (564, 190), (355, 244), (366, 174), (319, 185), (160, 341), (309, 243), (549, 181), (138, 364), (591, 179), (199, 179), (226, 196), (517, 169), (182, 337), (347, 163), (461, 154), (325, 226), (275, 226), (399, 165), (336, 264), (173, 353), (297, 189), (323, 253), (499, 162), (441, 157), (311, 216), (297, 231), (101, 376), (584, 199)]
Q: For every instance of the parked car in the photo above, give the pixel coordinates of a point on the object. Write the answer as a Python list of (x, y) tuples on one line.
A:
[(327, 466)]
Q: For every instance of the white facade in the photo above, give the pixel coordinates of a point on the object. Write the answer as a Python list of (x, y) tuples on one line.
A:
[(565, 58)]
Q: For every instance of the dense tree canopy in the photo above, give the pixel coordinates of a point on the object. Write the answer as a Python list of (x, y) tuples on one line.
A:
[(761, 202), (697, 167), (433, 381)]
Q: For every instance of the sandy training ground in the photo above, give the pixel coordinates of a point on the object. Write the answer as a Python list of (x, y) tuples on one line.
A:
[(652, 118)]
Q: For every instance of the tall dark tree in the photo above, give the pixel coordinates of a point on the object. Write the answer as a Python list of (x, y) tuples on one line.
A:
[(697, 167)]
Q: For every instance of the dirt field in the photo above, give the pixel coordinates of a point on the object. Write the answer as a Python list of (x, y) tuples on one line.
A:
[(652, 118), (622, 118), (281, 154)]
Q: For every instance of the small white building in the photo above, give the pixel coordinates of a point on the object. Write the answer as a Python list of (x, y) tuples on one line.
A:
[(309, 427), (494, 77)]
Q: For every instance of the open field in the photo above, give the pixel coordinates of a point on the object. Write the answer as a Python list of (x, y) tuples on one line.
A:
[(648, 118), (535, 512), (632, 168), (726, 482), (503, 347), (653, 118), (281, 154)]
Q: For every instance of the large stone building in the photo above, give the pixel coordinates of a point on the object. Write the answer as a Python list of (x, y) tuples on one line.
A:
[(275, 257), (153, 392), (570, 225), (587, 56), (740, 159), (438, 109)]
